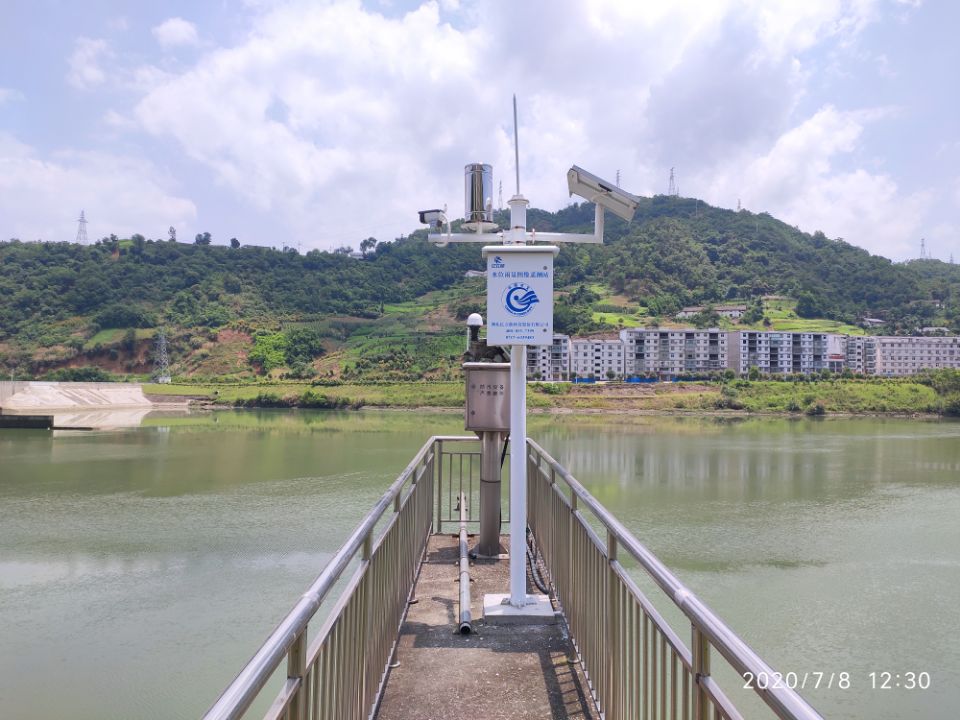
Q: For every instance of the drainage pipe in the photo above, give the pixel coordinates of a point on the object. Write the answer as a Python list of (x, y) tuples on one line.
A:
[(465, 624)]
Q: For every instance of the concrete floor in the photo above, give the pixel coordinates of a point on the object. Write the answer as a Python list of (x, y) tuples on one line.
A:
[(509, 672)]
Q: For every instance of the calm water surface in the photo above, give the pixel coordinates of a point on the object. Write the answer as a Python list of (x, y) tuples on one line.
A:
[(139, 569)]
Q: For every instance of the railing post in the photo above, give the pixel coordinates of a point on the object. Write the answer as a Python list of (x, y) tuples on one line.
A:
[(612, 705), (365, 554), (297, 670), (438, 528), (700, 650)]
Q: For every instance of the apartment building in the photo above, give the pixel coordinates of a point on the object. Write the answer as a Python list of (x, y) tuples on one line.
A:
[(786, 352), (672, 352), (861, 354), (642, 351), (549, 362), (897, 355), (595, 358)]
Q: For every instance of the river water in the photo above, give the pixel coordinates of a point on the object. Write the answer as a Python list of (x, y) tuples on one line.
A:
[(139, 569)]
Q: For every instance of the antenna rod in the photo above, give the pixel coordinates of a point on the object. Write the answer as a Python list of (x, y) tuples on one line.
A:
[(516, 143)]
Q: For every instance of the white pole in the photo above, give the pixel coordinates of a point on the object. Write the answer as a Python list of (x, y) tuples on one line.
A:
[(518, 476), (518, 436)]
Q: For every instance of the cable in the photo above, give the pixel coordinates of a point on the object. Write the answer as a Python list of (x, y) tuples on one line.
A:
[(534, 569)]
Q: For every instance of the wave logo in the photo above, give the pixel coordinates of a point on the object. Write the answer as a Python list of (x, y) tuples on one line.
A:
[(519, 299), (497, 263)]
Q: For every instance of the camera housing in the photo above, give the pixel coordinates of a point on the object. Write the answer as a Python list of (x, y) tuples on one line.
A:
[(605, 194)]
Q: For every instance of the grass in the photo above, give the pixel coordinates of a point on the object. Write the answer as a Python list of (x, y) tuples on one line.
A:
[(615, 319), (764, 396), (837, 396), (783, 316), (442, 394)]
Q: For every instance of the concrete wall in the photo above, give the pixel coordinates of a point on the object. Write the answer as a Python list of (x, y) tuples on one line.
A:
[(41, 397)]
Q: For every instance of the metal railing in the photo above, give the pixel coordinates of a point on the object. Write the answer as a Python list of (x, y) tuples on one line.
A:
[(458, 471), (340, 673), (635, 662)]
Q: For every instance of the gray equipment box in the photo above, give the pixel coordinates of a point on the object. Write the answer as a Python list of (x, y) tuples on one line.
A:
[(488, 396)]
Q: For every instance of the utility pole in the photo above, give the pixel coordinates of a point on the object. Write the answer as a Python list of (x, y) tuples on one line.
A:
[(672, 189), (162, 370), (82, 229)]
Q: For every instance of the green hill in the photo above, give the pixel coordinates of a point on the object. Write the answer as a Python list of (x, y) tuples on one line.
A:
[(396, 314)]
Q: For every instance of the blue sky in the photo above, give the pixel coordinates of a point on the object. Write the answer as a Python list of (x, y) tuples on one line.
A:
[(318, 124)]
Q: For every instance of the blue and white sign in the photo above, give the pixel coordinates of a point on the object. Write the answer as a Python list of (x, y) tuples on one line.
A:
[(520, 295)]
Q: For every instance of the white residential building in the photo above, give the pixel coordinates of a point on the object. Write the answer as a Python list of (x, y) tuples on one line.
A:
[(786, 352), (861, 354), (595, 358), (898, 355), (734, 312), (549, 362), (673, 352)]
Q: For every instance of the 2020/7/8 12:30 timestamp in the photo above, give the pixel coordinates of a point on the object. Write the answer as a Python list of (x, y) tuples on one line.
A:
[(905, 680)]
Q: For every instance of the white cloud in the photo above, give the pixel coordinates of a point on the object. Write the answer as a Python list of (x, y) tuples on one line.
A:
[(10, 95), (84, 64), (176, 31), (797, 181), (338, 122), (41, 198)]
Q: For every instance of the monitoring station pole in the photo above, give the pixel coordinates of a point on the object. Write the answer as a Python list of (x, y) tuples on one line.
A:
[(520, 305)]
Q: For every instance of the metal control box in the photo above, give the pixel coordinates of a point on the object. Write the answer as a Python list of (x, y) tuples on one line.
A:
[(488, 396)]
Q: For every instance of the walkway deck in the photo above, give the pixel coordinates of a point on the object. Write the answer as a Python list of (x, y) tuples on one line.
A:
[(515, 672)]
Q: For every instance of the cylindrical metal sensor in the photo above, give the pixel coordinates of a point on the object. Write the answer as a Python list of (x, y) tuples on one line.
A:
[(478, 182)]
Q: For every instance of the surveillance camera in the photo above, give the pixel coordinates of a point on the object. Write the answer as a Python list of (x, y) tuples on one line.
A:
[(433, 218), (475, 320), (603, 193)]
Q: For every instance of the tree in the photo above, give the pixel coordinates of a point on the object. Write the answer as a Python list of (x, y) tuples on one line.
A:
[(367, 245), (808, 306), (234, 243), (202, 239), (343, 250)]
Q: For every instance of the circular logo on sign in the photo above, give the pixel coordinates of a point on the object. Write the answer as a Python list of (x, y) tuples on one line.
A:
[(519, 299)]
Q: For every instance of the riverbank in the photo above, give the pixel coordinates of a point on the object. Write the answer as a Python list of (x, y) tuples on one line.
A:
[(821, 397)]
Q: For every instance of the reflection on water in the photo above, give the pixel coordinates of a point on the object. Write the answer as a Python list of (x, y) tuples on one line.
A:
[(142, 567)]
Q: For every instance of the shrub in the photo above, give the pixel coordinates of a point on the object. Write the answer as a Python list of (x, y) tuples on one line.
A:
[(80, 374)]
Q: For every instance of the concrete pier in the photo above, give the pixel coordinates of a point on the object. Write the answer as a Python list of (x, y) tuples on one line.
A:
[(43, 398), (498, 671)]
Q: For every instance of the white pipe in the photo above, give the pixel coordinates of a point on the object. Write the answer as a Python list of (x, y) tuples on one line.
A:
[(518, 476)]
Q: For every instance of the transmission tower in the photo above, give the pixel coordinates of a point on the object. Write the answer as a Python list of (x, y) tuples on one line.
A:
[(162, 369), (500, 201), (618, 178), (672, 188), (82, 229), (923, 248)]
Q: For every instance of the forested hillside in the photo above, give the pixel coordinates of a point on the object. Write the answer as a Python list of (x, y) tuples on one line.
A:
[(244, 310)]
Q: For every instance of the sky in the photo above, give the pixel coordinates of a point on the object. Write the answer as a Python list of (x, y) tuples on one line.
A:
[(315, 124)]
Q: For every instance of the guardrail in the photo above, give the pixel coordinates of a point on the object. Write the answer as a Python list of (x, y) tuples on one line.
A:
[(636, 663), (341, 673), (458, 471)]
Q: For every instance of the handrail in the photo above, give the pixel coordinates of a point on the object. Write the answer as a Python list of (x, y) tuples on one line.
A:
[(241, 693), (782, 700)]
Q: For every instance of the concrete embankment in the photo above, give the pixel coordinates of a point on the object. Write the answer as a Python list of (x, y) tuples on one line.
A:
[(43, 398)]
